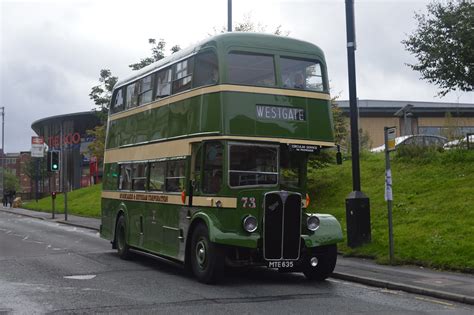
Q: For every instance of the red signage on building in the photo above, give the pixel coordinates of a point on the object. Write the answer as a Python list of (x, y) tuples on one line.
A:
[(37, 140), (71, 138)]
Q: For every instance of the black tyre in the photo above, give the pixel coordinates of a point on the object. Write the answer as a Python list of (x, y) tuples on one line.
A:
[(207, 259), (325, 264), (123, 249)]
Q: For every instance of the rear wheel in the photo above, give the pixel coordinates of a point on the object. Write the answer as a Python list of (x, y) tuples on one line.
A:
[(320, 266), (123, 249), (207, 259)]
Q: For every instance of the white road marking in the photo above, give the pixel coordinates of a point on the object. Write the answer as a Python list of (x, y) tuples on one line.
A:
[(80, 277), (433, 301)]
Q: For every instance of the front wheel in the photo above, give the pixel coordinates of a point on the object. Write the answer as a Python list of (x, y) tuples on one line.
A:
[(207, 259), (123, 249), (322, 267)]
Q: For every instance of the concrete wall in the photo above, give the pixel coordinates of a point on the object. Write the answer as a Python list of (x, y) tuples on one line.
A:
[(374, 127), (442, 121)]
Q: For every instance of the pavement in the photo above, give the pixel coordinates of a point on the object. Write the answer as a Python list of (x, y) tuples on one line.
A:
[(456, 287)]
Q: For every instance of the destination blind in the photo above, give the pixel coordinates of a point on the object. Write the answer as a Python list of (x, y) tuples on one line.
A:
[(280, 113)]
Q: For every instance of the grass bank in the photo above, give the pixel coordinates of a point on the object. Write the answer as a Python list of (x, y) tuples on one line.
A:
[(83, 202), (433, 207)]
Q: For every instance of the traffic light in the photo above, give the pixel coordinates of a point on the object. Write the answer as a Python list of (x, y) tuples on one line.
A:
[(54, 161)]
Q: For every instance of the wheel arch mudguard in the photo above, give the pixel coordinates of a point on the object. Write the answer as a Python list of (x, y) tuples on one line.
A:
[(121, 210), (329, 232)]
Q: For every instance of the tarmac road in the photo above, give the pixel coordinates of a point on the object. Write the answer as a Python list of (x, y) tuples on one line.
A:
[(46, 267)]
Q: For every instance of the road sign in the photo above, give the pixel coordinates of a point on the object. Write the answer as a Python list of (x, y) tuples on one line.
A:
[(37, 147), (391, 135)]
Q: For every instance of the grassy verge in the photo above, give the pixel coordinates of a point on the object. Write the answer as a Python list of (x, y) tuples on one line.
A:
[(433, 207), (84, 202)]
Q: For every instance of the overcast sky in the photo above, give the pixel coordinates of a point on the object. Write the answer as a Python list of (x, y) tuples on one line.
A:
[(52, 51)]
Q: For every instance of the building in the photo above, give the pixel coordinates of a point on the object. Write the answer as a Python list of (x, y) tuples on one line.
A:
[(16, 164), (68, 134), (445, 119)]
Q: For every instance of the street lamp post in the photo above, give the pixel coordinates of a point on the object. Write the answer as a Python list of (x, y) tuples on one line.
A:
[(405, 111), (3, 148), (357, 203), (229, 15)]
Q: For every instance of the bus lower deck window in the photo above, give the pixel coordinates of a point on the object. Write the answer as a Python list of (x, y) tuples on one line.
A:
[(252, 165)]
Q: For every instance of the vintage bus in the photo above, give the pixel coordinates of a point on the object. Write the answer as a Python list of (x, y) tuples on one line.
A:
[(206, 158)]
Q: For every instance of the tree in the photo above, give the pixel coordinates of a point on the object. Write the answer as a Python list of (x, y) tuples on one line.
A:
[(340, 123), (248, 25), (30, 168), (157, 53), (444, 45), (11, 181), (102, 93), (96, 148)]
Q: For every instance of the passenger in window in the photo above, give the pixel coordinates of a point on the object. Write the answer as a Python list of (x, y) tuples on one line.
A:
[(216, 181), (299, 81), (213, 77)]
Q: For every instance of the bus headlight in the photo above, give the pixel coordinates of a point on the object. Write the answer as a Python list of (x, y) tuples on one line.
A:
[(250, 223), (312, 223)]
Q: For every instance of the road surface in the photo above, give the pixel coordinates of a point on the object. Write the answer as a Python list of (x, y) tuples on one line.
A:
[(46, 267)]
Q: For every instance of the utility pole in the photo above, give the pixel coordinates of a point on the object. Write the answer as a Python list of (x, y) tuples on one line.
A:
[(357, 203), (229, 15), (64, 176), (3, 148)]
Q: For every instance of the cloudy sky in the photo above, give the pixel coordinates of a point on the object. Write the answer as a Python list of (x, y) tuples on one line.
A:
[(52, 51)]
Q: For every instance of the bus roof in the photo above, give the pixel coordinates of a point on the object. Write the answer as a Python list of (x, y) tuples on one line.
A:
[(227, 40)]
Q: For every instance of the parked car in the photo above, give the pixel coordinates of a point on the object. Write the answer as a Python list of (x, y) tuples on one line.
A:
[(418, 140), (460, 143)]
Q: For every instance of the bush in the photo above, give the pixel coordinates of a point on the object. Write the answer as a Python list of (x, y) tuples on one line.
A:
[(416, 153), (322, 159), (458, 156)]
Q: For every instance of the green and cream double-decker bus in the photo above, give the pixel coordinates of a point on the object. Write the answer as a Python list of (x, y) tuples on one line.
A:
[(206, 154)]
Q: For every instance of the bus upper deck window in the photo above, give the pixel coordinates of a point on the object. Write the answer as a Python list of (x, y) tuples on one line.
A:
[(163, 83), (117, 104), (251, 69), (182, 75), (205, 71), (146, 90), (131, 96), (301, 74)]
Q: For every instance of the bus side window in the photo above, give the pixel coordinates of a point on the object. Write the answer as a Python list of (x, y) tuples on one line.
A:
[(131, 96), (205, 71), (117, 103), (139, 176), (175, 176), (196, 166), (182, 75), (163, 83), (125, 180), (212, 175), (145, 93), (157, 176)]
